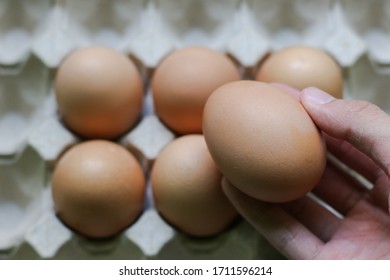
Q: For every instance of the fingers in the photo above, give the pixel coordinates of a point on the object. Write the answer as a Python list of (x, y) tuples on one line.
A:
[(294, 92), (312, 213), (378, 184), (283, 231), (340, 190), (361, 123), (380, 194), (352, 157)]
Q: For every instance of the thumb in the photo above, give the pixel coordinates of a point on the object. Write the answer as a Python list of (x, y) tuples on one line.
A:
[(361, 123)]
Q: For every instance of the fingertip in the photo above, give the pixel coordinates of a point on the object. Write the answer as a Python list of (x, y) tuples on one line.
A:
[(236, 197), (228, 189), (315, 96), (224, 183), (294, 92)]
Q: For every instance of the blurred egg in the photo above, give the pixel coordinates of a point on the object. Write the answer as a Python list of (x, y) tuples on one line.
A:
[(98, 188), (182, 83), (301, 67), (99, 92), (263, 141), (186, 187)]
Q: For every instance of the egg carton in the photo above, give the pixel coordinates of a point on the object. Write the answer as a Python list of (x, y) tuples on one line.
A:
[(42, 235), (35, 36)]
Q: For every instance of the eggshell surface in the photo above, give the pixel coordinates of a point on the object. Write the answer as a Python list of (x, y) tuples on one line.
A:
[(263, 141), (301, 67), (182, 83), (186, 186), (99, 92), (98, 188)]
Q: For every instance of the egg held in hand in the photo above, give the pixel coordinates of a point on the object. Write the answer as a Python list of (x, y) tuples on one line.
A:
[(263, 141), (99, 93), (186, 187), (98, 188)]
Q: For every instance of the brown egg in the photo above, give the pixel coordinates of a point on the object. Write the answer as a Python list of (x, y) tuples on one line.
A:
[(99, 92), (183, 82), (98, 188), (263, 141), (186, 186), (301, 67)]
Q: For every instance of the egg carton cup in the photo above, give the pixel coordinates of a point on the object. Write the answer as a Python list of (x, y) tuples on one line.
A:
[(35, 36), (149, 29), (23, 99)]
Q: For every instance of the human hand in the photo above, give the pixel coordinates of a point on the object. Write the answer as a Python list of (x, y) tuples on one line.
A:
[(357, 226)]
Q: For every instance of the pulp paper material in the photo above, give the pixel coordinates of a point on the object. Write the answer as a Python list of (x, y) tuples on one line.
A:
[(150, 29), (21, 184), (35, 36)]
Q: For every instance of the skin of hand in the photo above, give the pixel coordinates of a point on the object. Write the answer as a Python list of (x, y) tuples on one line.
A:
[(355, 223)]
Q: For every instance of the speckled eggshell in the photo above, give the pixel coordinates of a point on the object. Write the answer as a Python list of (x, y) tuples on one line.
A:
[(182, 83), (263, 141), (301, 67), (186, 187), (98, 188)]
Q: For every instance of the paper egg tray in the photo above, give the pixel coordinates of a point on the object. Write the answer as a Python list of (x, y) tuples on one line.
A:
[(36, 35)]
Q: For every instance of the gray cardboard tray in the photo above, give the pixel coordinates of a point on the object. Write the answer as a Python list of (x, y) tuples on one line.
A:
[(36, 35)]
